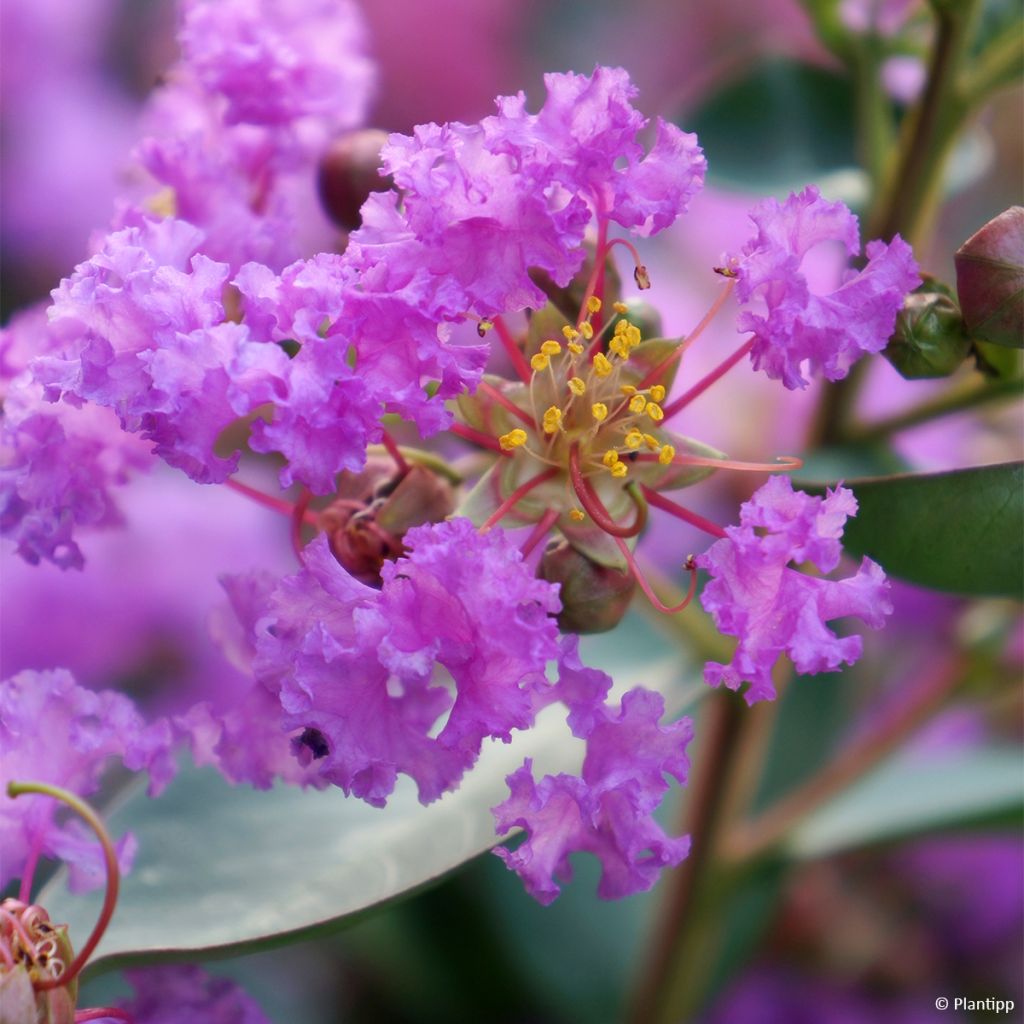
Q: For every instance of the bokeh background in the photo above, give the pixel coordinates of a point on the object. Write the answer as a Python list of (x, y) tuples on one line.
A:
[(874, 935)]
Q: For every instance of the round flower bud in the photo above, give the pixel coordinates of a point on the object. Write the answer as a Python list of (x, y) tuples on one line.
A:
[(594, 597), (368, 518), (990, 280), (929, 339), (348, 173)]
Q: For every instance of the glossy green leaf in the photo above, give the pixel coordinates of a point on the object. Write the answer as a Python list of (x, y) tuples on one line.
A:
[(960, 531), (781, 126), (911, 795), (222, 869)]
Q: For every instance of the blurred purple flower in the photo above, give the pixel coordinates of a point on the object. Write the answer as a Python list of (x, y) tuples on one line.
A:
[(180, 994)]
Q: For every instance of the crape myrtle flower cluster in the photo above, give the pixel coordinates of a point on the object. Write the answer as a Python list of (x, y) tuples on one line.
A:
[(416, 627)]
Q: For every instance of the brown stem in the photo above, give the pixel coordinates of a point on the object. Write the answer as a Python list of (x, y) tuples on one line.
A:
[(755, 837), (658, 997)]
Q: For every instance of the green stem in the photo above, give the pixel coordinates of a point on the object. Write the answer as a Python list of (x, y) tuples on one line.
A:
[(80, 807), (874, 110), (935, 408)]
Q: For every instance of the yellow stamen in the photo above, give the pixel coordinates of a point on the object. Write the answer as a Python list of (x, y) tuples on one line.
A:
[(599, 411), (570, 333), (552, 420), (637, 403), (610, 457), (575, 348), (652, 442), (620, 469), (587, 330), (628, 389), (551, 348), (634, 439), (619, 346), (576, 515), (540, 362), (593, 304), (513, 439), (602, 367), (620, 307), (655, 411), (577, 386), (666, 455), (620, 326), (658, 393)]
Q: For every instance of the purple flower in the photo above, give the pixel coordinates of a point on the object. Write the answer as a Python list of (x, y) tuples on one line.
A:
[(149, 340), (57, 463), (826, 332), (54, 731), (356, 667), (607, 809), (774, 609), (174, 995), (277, 62), (483, 204)]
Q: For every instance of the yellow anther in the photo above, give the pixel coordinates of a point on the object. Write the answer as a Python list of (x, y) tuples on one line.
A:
[(575, 348), (483, 326), (577, 386), (620, 307), (570, 333), (610, 457), (513, 439), (620, 469), (628, 389), (593, 304), (540, 362), (657, 393), (576, 515), (637, 403), (666, 455), (652, 442), (634, 439), (620, 326), (551, 348), (587, 329), (552, 420), (655, 411), (599, 411), (602, 367), (632, 335), (619, 347)]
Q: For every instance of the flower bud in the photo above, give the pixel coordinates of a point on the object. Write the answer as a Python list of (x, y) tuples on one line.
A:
[(50, 956), (929, 339), (373, 510), (348, 173), (594, 597), (990, 280)]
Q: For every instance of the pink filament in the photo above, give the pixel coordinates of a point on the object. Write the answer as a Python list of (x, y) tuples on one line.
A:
[(683, 513), (540, 531), (517, 495), (689, 339), (494, 393), (705, 382), (646, 587), (478, 437), (522, 367)]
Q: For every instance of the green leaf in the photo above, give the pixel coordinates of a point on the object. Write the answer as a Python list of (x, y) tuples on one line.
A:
[(781, 126), (223, 870), (960, 531), (910, 795)]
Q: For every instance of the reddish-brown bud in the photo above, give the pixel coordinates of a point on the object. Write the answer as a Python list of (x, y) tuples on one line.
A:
[(368, 518), (349, 171), (990, 280), (594, 596)]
